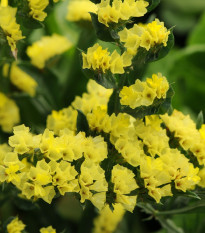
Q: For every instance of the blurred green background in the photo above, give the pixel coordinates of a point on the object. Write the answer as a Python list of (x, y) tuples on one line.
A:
[(184, 67)]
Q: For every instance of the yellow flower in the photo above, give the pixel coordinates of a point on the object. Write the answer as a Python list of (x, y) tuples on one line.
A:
[(100, 59), (97, 96), (23, 141), (9, 26), (22, 80), (107, 220), (120, 10), (46, 48), (144, 93), (49, 229), (15, 226), (37, 8), (79, 10), (9, 113), (124, 183), (63, 119), (145, 36)]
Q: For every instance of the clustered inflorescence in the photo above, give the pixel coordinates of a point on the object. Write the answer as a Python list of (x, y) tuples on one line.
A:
[(118, 158)]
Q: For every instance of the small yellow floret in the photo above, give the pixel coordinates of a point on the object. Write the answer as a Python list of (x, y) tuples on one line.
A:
[(46, 48), (79, 10), (144, 93), (37, 8), (15, 226), (49, 229), (9, 113), (22, 80), (9, 26), (145, 36), (108, 220), (120, 10), (100, 59)]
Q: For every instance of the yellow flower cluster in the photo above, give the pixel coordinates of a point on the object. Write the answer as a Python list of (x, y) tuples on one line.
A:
[(37, 8), (185, 131), (21, 79), (144, 93), (108, 220), (54, 170), (79, 10), (49, 229), (66, 118), (124, 184), (141, 144), (9, 26), (101, 60), (46, 48), (9, 113), (145, 36), (120, 10), (15, 226)]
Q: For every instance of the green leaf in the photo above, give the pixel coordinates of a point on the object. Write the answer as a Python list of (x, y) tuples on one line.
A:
[(114, 103), (170, 226), (200, 120), (101, 30), (166, 105), (198, 34), (82, 123), (152, 4), (24, 204)]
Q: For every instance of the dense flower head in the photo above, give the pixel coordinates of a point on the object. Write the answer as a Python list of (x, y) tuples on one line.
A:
[(120, 10), (9, 113), (145, 36), (15, 226), (100, 59), (79, 10), (144, 93), (185, 132), (65, 118), (37, 8), (46, 48), (9, 26)]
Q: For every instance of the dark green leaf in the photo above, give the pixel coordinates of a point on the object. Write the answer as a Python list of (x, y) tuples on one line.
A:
[(159, 52), (101, 30), (152, 4), (114, 103), (200, 120), (82, 123)]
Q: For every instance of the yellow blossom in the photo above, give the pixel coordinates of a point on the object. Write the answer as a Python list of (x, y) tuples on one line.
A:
[(22, 80), (9, 26), (23, 141), (15, 226), (145, 36), (9, 113), (120, 10), (63, 119), (144, 93), (37, 8), (49, 229), (97, 96), (46, 48), (107, 220), (100, 59), (124, 183), (80, 9)]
